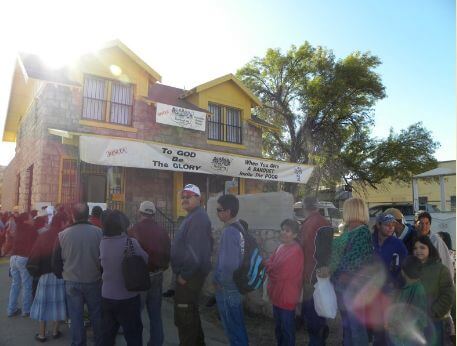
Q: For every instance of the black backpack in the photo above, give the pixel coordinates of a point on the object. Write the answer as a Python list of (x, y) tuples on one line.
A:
[(134, 270), (251, 273)]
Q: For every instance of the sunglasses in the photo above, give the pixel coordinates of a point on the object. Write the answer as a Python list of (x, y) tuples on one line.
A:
[(187, 197), (219, 210)]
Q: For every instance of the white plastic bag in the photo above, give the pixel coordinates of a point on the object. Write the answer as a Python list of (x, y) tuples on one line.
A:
[(325, 298)]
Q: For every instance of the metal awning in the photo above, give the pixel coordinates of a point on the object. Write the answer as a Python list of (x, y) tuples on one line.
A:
[(439, 172)]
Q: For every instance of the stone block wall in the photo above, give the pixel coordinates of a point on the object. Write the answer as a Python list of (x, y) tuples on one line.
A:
[(151, 185), (61, 108)]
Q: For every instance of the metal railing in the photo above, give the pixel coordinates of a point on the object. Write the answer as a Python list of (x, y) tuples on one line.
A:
[(165, 222)]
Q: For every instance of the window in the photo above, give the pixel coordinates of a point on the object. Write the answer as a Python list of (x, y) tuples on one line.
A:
[(107, 100), (224, 124), (452, 203)]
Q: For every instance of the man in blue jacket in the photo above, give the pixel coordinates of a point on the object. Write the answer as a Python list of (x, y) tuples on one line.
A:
[(228, 297), (191, 263)]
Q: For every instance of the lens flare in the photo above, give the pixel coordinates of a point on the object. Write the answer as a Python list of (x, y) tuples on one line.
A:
[(407, 324)]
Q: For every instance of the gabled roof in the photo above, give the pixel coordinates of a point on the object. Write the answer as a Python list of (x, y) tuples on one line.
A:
[(229, 77), (170, 96), (437, 172), (36, 68), (133, 56)]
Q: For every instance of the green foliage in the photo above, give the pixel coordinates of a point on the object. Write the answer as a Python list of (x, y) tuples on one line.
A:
[(324, 109)]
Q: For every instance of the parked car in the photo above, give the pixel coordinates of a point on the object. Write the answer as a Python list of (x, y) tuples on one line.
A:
[(327, 209), (407, 209)]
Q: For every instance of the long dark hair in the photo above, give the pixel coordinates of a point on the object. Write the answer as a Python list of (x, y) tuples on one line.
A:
[(432, 251), (57, 220), (115, 223)]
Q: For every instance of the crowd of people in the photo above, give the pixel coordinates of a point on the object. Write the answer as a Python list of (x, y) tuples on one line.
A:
[(394, 283)]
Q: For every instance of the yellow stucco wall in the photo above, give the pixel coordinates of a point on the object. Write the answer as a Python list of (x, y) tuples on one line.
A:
[(390, 191), (227, 94), (23, 93), (99, 64)]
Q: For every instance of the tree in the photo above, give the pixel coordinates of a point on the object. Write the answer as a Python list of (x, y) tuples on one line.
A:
[(324, 110)]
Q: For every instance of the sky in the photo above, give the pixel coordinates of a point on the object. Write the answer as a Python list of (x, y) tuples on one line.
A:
[(191, 42)]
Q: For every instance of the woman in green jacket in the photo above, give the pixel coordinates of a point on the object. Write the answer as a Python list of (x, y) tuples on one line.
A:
[(352, 253), (438, 286)]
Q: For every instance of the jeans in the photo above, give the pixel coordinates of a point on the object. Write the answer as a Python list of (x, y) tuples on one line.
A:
[(231, 313), (186, 313), (153, 301), (78, 294), (315, 325), (284, 326), (20, 279), (354, 329), (125, 313)]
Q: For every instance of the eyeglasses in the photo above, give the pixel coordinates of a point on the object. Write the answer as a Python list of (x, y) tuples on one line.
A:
[(219, 210), (186, 197)]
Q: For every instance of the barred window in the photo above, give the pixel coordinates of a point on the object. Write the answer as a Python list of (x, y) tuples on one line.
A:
[(224, 124), (94, 105), (107, 100), (121, 103)]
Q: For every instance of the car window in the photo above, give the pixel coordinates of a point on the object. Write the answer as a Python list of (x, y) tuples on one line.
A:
[(322, 211), (334, 213), (375, 211), (406, 209)]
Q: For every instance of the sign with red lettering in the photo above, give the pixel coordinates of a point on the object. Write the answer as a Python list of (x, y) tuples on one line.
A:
[(124, 153)]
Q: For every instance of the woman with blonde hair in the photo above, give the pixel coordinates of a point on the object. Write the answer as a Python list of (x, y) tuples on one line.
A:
[(351, 252)]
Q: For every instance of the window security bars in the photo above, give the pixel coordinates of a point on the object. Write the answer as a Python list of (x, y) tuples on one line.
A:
[(107, 100), (224, 124)]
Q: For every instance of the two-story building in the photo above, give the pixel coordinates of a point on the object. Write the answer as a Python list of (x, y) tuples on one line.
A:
[(105, 130)]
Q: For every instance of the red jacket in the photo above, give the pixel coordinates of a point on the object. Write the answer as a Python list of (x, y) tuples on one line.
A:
[(95, 221), (155, 241), (285, 269), (309, 229)]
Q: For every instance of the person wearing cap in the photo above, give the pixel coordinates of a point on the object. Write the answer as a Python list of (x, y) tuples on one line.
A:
[(313, 223), (156, 242), (403, 231), (191, 263), (389, 252)]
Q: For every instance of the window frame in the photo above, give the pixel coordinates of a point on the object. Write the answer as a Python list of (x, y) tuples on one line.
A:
[(108, 101), (223, 124)]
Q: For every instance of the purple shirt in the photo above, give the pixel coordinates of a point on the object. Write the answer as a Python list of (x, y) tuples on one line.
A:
[(111, 256)]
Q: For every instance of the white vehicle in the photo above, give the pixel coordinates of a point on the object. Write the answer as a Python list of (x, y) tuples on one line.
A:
[(327, 209)]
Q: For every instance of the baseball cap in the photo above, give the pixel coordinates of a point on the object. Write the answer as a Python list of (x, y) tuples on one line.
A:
[(192, 188), (147, 207), (397, 214), (385, 218)]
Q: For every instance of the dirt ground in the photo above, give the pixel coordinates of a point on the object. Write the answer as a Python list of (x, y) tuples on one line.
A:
[(261, 328)]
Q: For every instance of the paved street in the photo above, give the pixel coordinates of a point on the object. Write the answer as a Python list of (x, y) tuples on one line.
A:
[(19, 331)]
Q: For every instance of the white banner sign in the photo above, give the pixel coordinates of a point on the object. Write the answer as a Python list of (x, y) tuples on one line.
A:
[(182, 117), (117, 152)]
